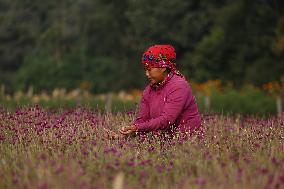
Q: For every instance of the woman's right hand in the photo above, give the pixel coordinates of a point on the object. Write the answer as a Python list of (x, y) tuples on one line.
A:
[(128, 130)]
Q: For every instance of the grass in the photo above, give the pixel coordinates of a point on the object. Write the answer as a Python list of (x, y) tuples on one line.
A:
[(66, 148)]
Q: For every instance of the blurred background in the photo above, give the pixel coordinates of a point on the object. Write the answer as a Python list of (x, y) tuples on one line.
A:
[(63, 53)]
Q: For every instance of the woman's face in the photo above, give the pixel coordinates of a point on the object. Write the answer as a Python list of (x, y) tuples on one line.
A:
[(155, 75)]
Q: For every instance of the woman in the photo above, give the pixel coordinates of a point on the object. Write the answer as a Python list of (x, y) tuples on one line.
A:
[(167, 103)]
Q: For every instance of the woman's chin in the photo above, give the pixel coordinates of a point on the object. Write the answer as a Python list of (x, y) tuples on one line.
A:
[(152, 82)]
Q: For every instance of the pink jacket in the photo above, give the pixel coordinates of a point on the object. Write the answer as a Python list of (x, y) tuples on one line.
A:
[(170, 108)]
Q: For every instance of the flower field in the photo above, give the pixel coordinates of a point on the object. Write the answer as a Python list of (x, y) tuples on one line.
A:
[(67, 148)]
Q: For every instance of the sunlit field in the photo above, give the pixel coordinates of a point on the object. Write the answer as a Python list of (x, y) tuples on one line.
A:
[(67, 148)]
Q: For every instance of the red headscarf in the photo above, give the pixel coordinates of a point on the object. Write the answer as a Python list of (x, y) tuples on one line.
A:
[(160, 56)]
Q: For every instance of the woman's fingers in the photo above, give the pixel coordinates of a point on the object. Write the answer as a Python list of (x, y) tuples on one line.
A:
[(126, 131), (110, 134), (106, 130), (106, 133), (123, 128), (122, 133)]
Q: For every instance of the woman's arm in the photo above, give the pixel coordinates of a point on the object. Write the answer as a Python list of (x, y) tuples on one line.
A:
[(143, 114), (176, 100)]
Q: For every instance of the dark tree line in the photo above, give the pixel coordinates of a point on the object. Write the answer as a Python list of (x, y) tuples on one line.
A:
[(97, 44)]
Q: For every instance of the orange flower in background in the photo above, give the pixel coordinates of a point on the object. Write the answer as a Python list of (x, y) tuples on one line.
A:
[(207, 87), (275, 88), (86, 85), (136, 93)]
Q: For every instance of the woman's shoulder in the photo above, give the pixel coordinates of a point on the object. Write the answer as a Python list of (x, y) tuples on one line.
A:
[(178, 82), (179, 85), (146, 90)]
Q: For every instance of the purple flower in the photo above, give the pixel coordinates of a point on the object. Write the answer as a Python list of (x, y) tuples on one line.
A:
[(151, 149), (94, 142), (43, 157), (270, 180), (274, 161), (59, 169), (43, 185), (113, 151), (281, 178), (239, 175), (256, 145), (200, 181), (2, 138), (131, 163), (145, 162), (160, 168), (130, 113), (263, 170), (15, 178), (142, 174)]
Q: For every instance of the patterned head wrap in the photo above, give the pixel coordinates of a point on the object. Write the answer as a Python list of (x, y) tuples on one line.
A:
[(160, 56)]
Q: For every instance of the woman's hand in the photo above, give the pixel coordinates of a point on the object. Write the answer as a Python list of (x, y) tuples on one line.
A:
[(128, 130)]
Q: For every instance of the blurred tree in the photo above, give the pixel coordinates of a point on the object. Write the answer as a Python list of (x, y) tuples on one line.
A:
[(238, 47), (37, 72), (181, 23), (18, 33), (72, 41)]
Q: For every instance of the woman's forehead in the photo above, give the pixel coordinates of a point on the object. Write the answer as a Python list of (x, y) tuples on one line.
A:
[(149, 68)]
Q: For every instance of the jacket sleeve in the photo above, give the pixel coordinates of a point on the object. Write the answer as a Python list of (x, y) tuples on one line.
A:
[(143, 114), (174, 105)]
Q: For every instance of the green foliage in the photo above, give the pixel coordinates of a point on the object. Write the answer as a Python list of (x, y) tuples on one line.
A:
[(46, 73), (236, 41), (104, 73), (247, 101), (239, 46), (207, 48)]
